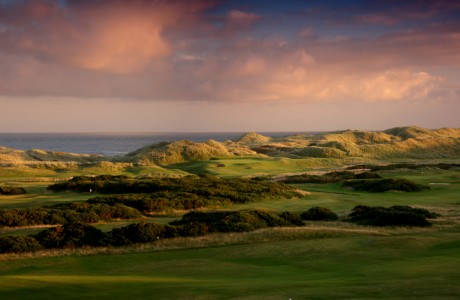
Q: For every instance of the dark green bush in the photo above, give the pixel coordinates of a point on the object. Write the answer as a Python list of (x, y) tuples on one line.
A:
[(411, 166), (66, 213), (384, 185), (11, 190), (16, 244), (231, 221), (319, 214), (190, 229), (330, 177), (71, 235), (136, 233), (233, 190), (292, 217), (392, 216)]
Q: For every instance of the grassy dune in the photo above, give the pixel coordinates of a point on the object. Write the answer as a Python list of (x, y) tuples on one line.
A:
[(396, 143)]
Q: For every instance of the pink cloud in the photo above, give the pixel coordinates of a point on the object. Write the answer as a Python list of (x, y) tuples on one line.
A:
[(111, 36), (168, 50), (378, 19)]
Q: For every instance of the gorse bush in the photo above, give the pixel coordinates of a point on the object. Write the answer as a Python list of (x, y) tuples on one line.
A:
[(12, 190), (166, 194), (330, 177), (195, 223), (235, 190), (162, 201), (66, 213), (136, 233), (384, 185), (391, 216), (71, 236), (17, 244), (292, 217), (232, 221), (319, 214), (411, 166)]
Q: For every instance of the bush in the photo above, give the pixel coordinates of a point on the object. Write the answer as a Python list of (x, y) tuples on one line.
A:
[(319, 214), (231, 221), (136, 233), (16, 244), (384, 185), (190, 229), (411, 166), (292, 217), (392, 216), (71, 235), (330, 177), (66, 213), (11, 190), (233, 190)]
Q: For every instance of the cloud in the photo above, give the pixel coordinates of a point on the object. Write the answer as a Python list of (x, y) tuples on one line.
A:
[(114, 36), (179, 50)]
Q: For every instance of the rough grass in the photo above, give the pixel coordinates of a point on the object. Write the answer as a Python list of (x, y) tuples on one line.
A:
[(327, 260), (268, 264)]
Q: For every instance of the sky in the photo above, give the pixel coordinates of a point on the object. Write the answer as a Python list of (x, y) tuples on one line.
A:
[(233, 66)]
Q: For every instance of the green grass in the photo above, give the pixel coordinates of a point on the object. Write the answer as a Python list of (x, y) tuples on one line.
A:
[(252, 166), (326, 260), (341, 200), (414, 265)]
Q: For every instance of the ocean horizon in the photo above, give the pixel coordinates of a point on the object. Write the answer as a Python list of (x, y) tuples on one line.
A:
[(114, 143)]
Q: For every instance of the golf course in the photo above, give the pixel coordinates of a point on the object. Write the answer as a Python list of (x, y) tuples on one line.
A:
[(196, 252)]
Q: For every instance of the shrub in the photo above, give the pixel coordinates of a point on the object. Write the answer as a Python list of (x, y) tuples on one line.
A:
[(71, 235), (231, 221), (443, 166), (319, 214), (136, 233), (234, 190), (292, 217), (384, 185), (190, 229), (330, 177), (392, 216), (16, 244), (66, 213), (11, 190)]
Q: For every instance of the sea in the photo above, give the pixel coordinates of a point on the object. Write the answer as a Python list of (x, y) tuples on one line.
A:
[(110, 143)]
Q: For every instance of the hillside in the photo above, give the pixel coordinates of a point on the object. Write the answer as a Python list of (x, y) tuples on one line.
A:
[(395, 143), (166, 153), (13, 156)]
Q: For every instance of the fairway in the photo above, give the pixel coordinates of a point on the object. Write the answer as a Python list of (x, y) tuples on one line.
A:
[(422, 266), (323, 260)]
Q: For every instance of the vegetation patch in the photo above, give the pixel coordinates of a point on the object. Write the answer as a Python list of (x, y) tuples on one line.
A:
[(330, 177), (18, 244), (398, 166), (384, 185), (391, 216), (162, 201), (66, 213), (292, 217), (12, 190), (74, 235), (319, 214), (71, 235), (233, 221), (235, 190)]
